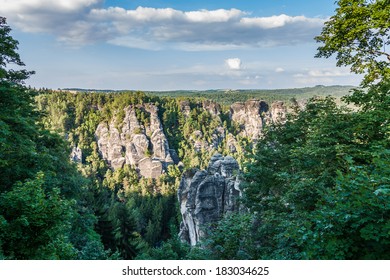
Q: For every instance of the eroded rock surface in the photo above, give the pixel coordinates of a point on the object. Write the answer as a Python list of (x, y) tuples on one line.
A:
[(278, 112), (212, 107), (76, 155), (206, 195), (253, 115), (139, 139), (142, 145), (185, 107)]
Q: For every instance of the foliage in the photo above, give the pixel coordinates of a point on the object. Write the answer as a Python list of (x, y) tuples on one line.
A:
[(9, 55), (354, 222), (36, 224), (313, 183), (171, 249), (295, 167), (358, 34), (43, 209), (17, 134), (231, 238), (228, 97)]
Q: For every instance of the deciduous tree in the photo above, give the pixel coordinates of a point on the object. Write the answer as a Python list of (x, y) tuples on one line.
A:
[(359, 35)]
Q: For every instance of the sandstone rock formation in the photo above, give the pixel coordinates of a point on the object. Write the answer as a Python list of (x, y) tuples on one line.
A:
[(142, 145), (212, 107), (199, 143), (76, 155), (185, 107), (252, 115), (232, 143), (139, 139), (206, 195), (278, 112), (249, 116)]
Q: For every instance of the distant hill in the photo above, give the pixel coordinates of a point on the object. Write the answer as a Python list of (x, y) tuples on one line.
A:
[(228, 96)]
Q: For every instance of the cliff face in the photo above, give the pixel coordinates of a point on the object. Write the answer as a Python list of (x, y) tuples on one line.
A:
[(253, 115), (206, 195), (142, 143), (143, 146)]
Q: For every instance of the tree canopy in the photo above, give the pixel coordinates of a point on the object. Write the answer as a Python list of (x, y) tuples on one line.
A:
[(43, 212), (358, 34), (10, 56)]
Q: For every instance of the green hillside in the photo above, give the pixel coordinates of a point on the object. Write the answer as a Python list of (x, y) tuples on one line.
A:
[(227, 97)]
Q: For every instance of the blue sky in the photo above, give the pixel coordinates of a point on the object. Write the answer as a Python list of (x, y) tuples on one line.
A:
[(170, 45)]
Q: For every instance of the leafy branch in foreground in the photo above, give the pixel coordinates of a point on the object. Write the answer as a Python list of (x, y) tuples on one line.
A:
[(358, 34)]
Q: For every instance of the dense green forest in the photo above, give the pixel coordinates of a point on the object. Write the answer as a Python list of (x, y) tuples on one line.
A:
[(315, 186)]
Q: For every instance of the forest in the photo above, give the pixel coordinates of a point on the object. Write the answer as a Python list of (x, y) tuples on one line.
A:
[(314, 186)]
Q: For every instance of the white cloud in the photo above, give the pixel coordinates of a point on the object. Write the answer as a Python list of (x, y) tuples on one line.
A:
[(328, 73), (233, 63), (136, 43), (279, 70), (60, 17), (277, 21), (36, 5), (219, 15), (323, 73), (325, 76), (81, 22)]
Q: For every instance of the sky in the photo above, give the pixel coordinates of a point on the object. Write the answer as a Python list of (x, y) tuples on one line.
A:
[(173, 44)]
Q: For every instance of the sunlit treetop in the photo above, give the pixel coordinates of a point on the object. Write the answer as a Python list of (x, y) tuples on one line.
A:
[(9, 56), (359, 35)]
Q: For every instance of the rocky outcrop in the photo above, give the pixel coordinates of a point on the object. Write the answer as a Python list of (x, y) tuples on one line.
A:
[(249, 116), (278, 112), (76, 155), (142, 145), (139, 139), (199, 143), (212, 107), (206, 195), (185, 107), (232, 143), (253, 115)]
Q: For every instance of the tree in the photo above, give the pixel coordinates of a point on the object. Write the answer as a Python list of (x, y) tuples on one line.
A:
[(319, 184), (34, 223), (44, 212), (354, 222), (9, 55), (17, 117), (358, 34), (127, 240), (231, 238)]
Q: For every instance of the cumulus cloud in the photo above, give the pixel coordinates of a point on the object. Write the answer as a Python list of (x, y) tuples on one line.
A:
[(86, 22), (233, 63), (329, 72), (62, 18), (323, 73), (276, 21), (323, 76), (23, 6)]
